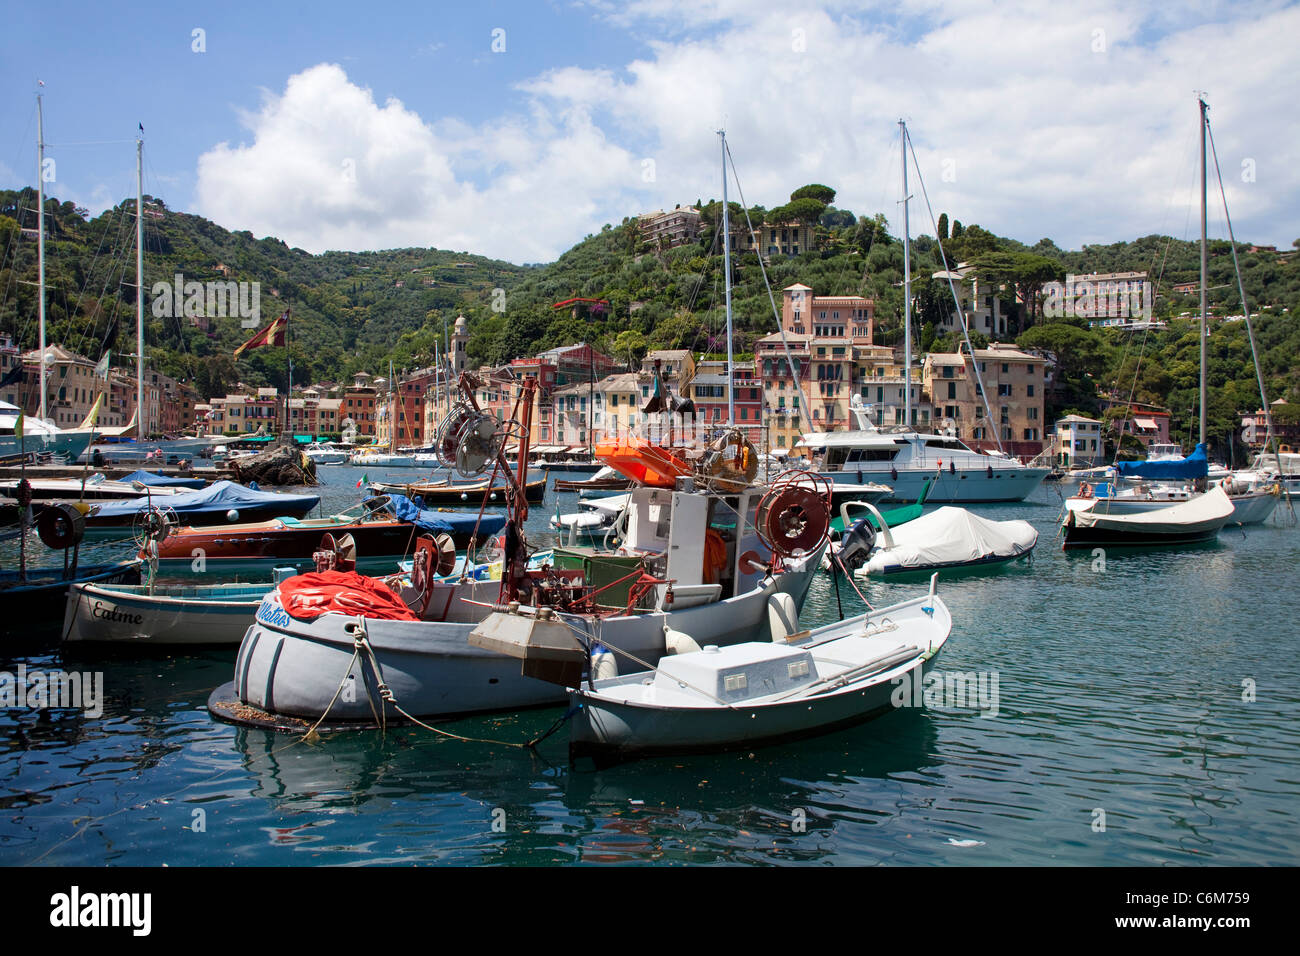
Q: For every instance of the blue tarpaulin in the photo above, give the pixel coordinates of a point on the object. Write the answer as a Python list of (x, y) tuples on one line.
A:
[(1195, 465), (218, 498), (445, 522), (155, 480)]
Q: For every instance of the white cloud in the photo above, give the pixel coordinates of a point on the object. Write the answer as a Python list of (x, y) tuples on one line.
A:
[(1076, 123)]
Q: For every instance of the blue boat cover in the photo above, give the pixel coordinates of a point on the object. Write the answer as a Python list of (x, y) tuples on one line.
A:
[(155, 480), (220, 496), (443, 522), (1195, 465)]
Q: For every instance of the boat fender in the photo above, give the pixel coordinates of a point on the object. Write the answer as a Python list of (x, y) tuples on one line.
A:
[(952, 467), (61, 527), (232, 515), (893, 474), (677, 642), (603, 663), (782, 617), (990, 471)]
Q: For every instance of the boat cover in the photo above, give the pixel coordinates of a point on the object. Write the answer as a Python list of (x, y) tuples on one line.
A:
[(1195, 465), (308, 596), (1212, 509), (952, 536), (443, 522), (155, 480), (220, 496)]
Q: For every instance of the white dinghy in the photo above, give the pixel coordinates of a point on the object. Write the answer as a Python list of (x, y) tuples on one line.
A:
[(797, 685)]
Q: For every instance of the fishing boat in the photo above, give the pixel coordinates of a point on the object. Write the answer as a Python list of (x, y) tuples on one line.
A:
[(754, 693), (946, 539), (1195, 520), (696, 559), (221, 503), (384, 530), (163, 614)]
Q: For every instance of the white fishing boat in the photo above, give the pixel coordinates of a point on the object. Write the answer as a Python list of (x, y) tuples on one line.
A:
[(946, 539), (793, 686)]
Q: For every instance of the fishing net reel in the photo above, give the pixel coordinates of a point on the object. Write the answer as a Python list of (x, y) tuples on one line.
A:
[(153, 524), (794, 517), (467, 440)]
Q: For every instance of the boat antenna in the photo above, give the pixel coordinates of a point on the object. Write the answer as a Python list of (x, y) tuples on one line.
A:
[(965, 329)]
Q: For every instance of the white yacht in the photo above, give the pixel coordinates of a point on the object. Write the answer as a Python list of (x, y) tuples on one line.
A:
[(905, 459), (38, 436)]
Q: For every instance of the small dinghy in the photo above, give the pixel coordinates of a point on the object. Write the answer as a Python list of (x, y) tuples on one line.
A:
[(798, 685), (947, 538)]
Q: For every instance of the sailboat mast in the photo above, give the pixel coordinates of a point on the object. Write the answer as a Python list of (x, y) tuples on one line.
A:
[(1204, 266), (139, 287), (726, 267), (907, 287), (40, 238)]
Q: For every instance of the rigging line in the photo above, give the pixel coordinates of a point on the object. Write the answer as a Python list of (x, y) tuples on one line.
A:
[(804, 412), (965, 331), (1269, 437), (103, 142)]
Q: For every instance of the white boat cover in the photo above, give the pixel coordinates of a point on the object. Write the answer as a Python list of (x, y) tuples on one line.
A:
[(1212, 509), (949, 537)]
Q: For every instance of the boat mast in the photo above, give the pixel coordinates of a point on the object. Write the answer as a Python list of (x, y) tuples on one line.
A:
[(726, 266), (1204, 264), (139, 286), (40, 238), (907, 288)]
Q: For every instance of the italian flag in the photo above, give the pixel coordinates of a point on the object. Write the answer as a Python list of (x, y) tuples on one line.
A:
[(364, 480)]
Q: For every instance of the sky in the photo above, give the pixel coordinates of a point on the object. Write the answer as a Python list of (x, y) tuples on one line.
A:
[(514, 129)]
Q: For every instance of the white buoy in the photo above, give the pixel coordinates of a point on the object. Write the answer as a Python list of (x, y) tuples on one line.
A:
[(464, 496), (232, 515)]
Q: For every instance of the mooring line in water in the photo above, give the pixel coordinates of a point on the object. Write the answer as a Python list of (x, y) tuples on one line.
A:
[(361, 641)]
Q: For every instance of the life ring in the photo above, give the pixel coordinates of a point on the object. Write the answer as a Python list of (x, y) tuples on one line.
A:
[(60, 527), (1085, 490)]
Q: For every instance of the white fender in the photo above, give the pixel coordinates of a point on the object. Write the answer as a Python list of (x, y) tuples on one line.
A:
[(678, 642), (782, 616)]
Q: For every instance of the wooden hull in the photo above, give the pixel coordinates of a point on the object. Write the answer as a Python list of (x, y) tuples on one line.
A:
[(202, 615)]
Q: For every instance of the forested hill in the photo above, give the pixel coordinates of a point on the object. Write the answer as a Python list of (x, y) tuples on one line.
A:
[(358, 311), (351, 311)]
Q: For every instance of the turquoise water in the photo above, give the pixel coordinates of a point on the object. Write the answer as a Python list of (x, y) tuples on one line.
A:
[(1120, 691)]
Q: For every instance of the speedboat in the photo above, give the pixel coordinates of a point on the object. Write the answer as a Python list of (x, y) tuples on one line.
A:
[(221, 503)]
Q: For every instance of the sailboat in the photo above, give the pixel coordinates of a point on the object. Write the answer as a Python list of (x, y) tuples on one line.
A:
[(907, 459), (1170, 515)]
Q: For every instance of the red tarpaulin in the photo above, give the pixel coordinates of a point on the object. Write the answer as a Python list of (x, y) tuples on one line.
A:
[(308, 596)]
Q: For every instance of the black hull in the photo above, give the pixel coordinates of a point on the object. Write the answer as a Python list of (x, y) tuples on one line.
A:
[(1076, 538)]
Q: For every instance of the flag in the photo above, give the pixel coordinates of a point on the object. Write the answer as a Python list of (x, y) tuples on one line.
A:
[(93, 415), (364, 480), (101, 368), (14, 375), (273, 334)]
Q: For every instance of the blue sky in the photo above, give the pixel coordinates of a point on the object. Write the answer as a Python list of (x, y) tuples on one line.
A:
[(345, 125)]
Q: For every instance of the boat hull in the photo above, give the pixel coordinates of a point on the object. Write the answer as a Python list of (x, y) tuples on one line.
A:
[(964, 486), (207, 615), (292, 667)]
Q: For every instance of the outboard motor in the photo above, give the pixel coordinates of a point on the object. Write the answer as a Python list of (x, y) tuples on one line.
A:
[(856, 544)]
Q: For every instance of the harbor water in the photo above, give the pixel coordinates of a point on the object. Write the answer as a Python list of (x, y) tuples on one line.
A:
[(1137, 708)]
